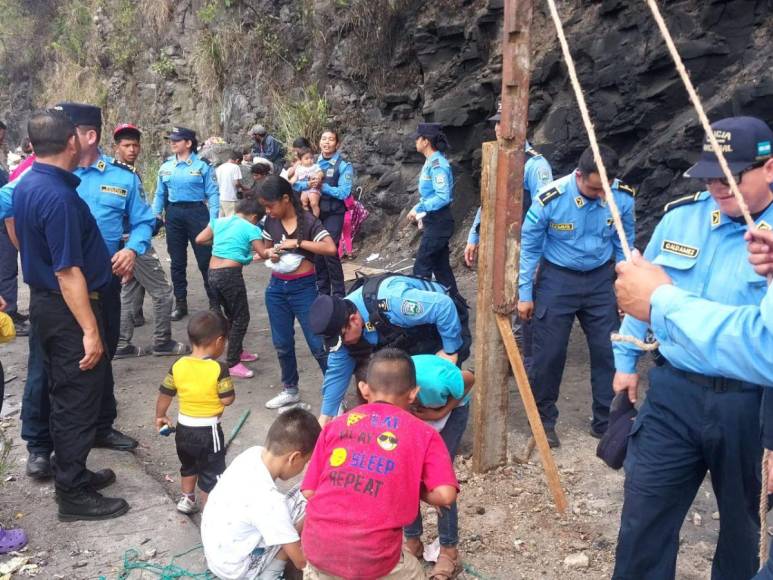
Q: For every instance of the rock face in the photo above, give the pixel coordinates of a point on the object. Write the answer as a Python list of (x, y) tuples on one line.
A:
[(385, 65)]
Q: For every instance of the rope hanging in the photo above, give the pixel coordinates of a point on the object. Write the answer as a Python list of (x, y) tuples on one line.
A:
[(590, 131)]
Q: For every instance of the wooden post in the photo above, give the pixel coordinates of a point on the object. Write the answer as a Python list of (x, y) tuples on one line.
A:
[(490, 408), (538, 431)]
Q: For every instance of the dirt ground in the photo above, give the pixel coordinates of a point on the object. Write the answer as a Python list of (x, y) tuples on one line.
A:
[(508, 527)]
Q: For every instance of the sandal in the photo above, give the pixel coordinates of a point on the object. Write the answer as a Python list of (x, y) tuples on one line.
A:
[(417, 553), (12, 540), (446, 568)]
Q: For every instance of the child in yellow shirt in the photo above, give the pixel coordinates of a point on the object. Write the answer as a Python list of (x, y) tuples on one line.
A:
[(204, 388)]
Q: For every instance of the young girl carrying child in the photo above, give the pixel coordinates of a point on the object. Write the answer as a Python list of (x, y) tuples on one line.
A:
[(235, 239)]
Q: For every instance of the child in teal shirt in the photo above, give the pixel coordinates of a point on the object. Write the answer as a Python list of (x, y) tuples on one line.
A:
[(443, 403), (234, 240)]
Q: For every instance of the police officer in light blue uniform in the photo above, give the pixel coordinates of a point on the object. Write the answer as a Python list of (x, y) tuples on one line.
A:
[(436, 192), (187, 193), (336, 189), (390, 310), (695, 419), (569, 234)]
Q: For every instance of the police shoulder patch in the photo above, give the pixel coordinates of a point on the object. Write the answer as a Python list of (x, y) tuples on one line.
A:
[(624, 187), (686, 200), (411, 308), (548, 195), (125, 166)]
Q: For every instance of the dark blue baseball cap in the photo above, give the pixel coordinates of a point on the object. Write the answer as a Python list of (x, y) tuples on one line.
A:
[(614, 444), (744, 141), (81, 113), (182, 134), (427, 130), (327, 317)]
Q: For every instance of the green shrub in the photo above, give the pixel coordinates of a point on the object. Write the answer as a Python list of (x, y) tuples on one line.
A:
[(303, 115), (163, 67)]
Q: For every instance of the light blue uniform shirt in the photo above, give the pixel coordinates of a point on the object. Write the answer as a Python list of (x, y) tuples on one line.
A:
[(409, 304), (536, 175), (704, 253), (438, 379), (6, 196), (343, 188), (572, 231), (727, 341), (436, 184), (113, 192), (191, 180), (233, 237)]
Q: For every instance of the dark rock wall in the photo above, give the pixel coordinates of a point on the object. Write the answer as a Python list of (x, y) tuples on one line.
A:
[(385, 65)]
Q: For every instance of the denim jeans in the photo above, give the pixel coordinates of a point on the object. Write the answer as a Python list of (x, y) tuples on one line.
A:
[(286, 301), (448, 519)]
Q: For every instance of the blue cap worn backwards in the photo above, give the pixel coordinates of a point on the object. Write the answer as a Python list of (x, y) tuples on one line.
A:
[(81, 113), (182, 134), (745, 141)]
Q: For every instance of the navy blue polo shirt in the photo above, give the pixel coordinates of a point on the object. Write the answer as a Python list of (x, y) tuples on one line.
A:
[(56, 230)]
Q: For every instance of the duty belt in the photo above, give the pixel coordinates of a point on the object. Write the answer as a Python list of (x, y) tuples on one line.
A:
[(717, 384), (92, 295)]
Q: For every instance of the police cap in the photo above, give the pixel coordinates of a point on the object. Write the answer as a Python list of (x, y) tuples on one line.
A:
[(498, 115), (744, 141), (182, 134), (327, 317), (258, 130), (126, 130), (614, 444), (427, 130), (81, 113)]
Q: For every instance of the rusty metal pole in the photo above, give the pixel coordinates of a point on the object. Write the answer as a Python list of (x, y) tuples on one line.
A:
[(516, 59)]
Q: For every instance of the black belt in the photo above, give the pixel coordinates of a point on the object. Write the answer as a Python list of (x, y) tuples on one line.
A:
[(46, 292), (577, 272), (717, 384), (186, 203)]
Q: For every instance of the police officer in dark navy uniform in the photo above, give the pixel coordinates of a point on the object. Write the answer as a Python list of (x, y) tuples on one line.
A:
[(700, 417), (67, 266), (416, 315), (569, 234), (436, 192), (186, 192), (114, 194), (336, 188)]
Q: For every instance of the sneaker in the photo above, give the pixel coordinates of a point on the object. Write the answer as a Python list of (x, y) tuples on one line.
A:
[(187, 505), (241, 372), (130, 351), (282, 399), (22, 328), (301, 405), (248, 356), (171, 348)]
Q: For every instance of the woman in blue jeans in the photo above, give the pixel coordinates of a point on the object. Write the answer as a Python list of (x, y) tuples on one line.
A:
[(292, 238)]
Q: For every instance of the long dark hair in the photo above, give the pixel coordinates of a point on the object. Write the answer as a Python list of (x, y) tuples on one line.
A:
[(439, 142), (273, 188)]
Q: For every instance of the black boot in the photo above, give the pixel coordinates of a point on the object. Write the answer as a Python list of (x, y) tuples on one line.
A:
[(214, 306), (88, 504), (39, 465), (101, 478), (553, 441), (114, 439), (180, 309)]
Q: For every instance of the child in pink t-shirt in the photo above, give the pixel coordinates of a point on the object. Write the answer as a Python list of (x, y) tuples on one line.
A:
[(366, 475)]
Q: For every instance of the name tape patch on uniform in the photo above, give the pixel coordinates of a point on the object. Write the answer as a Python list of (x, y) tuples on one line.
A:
[(411, 308), (679, 249), (562, 227), (195, 172), (114, 190), (548, 195), (716, 216)]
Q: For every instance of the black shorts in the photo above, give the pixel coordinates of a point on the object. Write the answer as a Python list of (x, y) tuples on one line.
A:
[(202, 452)]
